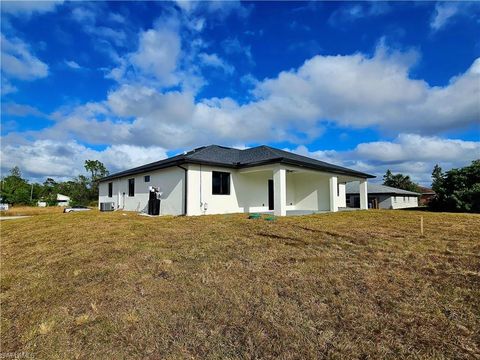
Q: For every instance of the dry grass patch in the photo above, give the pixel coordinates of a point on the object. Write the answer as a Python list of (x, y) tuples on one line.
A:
[(344, 285), (31, 210)]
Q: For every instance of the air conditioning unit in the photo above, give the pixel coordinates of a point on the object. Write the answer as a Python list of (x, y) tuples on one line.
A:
[(107, 206)]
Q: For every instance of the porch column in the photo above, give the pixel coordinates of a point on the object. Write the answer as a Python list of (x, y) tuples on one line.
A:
[(363, 195), (333, 182), (280, 191)]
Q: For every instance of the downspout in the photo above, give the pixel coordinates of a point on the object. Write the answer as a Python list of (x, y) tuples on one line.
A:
[(186, 188)]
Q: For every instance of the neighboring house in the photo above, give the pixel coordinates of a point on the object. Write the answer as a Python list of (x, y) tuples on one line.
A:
[(219, 180), (63, 200), (427, 195), (381, 197)]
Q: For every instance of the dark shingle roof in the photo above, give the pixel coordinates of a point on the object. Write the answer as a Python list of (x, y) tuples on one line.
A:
[(353, 188), (236, 158)]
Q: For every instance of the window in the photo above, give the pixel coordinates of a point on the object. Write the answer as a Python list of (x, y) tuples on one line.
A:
[(131, 187), (338, 189), (220, 183), (110, 189), (404, 198), (394, 199), (146, 178)]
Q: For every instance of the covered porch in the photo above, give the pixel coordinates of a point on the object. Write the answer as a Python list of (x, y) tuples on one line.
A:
[(286, 190)]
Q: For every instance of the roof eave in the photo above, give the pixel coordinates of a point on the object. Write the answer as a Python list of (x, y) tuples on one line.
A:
[(142, 170), (327, 169)]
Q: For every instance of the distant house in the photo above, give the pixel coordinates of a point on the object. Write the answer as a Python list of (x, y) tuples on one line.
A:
[(63, 200), (381, 197), (427, 195), (218, 180)]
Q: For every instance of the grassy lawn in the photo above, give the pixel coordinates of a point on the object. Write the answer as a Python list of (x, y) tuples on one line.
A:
[(345, 285), (31, 210)]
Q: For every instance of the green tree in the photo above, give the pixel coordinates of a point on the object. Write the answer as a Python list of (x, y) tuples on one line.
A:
[(50, 189), (97, 170), (437, 178), (457, 189), (399, 181), (78, 189), (14, 189)]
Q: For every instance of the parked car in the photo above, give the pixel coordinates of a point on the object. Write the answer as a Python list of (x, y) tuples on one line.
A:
[(75, 209)]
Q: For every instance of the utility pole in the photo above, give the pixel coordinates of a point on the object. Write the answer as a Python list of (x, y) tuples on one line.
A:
[(31, 193)]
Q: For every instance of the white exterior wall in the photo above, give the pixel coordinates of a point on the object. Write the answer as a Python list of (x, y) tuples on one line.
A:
[(170, 181), (305, 190), (342, 197), (402, 202), (311, 191), (248, 191), (390, 202)]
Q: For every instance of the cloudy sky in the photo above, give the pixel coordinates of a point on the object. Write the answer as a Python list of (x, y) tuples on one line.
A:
[(370, 86)]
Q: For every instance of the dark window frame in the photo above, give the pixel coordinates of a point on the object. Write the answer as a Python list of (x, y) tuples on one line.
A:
[(110, 189), (220, 183), (146, 178), (131, 187)]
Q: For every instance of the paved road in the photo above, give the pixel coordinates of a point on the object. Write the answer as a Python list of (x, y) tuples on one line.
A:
[(12, 217)]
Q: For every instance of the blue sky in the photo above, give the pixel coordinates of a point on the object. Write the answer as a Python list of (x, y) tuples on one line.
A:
[(365, 85)]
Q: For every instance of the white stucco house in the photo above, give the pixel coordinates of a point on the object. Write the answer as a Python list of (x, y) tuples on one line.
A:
[(63, 200), (218, 180), (381, 197)]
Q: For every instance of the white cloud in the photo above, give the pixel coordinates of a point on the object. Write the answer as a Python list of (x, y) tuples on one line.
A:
[(83, 15), (27, 8), (352, 12), (214, 61), (172, 53), (410, 154), (361, 91), (65, 159), (20, 110), (18, 62), (408, 147), (157, 54), (351, 91), (443, 13), (221, 9), (446, 12), (87, 16), (115, 17), (233, 46), (7, 87), (72, 64)]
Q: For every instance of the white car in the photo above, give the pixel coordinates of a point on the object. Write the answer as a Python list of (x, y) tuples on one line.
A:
[(75, 209)]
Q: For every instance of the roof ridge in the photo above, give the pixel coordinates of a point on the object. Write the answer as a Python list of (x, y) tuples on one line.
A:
[(196, 150), (272, 150)]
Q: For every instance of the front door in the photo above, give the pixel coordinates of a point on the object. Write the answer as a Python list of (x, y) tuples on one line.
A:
[(270, 194)]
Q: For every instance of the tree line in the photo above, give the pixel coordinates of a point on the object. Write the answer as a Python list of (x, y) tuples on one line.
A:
[(82, 190), (456, 190)]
